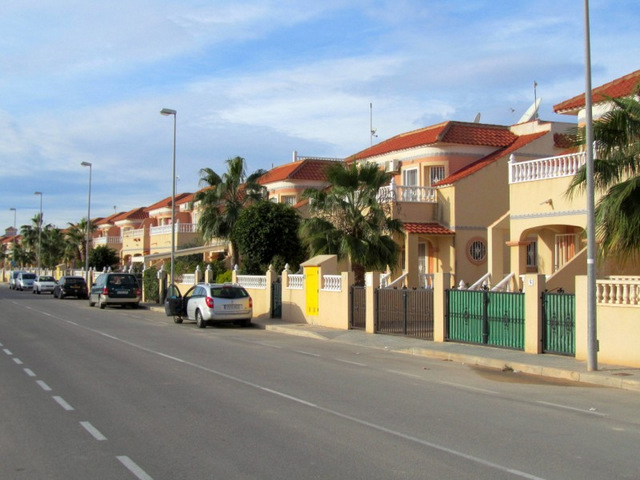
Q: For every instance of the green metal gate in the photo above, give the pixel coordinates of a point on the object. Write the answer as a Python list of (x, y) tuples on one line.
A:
[(486, 318), (559, 326)]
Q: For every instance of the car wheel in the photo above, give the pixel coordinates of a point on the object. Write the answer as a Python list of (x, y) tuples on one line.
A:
[(60, 295), (91, 304), (33, 291), (199, 320), (101, 304), (177, 319)]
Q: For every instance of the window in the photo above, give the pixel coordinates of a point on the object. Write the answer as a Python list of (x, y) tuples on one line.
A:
[(532, 256), (288, 199), (477, 250), (436, 174)]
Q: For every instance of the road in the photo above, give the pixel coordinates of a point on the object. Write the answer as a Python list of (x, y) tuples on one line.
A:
[(128, 394)]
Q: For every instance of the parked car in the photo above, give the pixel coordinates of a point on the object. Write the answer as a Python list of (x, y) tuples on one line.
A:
[(207, 303), (71, 286), (115, 289), (13, 279), (44, 284), (25, 281)]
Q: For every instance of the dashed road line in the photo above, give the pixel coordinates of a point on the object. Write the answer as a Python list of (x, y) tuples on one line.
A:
[(573, 409), (43, 385), (309, 354), (29, 372), (357, 364), (7, 351), (63, 403), (95, 433), (134, 468), (17, 360)]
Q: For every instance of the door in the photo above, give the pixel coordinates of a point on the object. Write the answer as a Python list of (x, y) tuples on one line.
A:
[(173, 302)]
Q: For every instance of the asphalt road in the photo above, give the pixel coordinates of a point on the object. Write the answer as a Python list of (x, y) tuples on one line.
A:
[(126, 394)]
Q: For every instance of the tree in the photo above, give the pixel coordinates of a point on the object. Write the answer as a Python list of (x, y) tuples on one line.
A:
[(103, 257), (53, 246), (348, 221), (617, 177), (223, 199), (266, 234)]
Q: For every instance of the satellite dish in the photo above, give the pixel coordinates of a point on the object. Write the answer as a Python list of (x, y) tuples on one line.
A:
[(477, 119), (531, 113)]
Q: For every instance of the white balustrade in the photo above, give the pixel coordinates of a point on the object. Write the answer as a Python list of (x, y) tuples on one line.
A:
[(296, 281), (332, 283), (403, 193), (546, 168), (253, 281), (624, 292), (106, 240), (180, 228)]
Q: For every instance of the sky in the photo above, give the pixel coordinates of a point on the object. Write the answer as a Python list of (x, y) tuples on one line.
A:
[(84, 81)]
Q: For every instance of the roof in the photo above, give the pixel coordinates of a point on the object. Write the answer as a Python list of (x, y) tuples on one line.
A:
[(427, 228), (108, 220), (517, 144), (307, 169), (620, 87), (166, 202), (447, 132), (135, 214)]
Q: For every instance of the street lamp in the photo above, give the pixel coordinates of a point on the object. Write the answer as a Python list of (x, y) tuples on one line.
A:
[(39, 231), (168, 111), (12, 209), (86, 262)]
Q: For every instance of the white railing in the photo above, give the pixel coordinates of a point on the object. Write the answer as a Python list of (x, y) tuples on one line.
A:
[(624, 292), (133, 233), (180, 228), (332, 283), (483, 281), (253, 281), (384, 279), (403, 193), (504, 285), (106, 240), (189, 278), (296, 281), (426, 280), (545, 168), (397, 282)]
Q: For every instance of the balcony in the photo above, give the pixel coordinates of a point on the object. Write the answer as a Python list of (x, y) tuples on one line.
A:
[(406, 193), (106, 241), (545, 168), (180, 228)]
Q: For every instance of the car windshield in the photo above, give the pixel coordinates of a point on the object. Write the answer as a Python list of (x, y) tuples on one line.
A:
[(229, 292), (29, 276), (46, 279), (74, 281)]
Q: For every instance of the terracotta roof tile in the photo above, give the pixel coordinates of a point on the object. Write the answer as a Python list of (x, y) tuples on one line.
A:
[(307, 169), (427, 228), (139, 213), (620, 87), (517, 144), (108, 220), (447, 132), (166, 202)]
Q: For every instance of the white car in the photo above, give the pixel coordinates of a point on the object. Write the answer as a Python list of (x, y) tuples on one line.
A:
[(25, 281), (44, 284)]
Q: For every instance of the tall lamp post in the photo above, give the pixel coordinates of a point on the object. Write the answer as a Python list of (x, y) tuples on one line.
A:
[(12, 209), (168, 111), (86, 260), (39, 231)]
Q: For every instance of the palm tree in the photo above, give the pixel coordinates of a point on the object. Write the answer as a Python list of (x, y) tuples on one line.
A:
[(224, 197), (616, 176), (75, 236), (30, 240), (53, 245), (348, 221)]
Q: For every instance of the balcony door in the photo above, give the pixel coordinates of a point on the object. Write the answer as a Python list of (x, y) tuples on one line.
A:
[(409, 185)]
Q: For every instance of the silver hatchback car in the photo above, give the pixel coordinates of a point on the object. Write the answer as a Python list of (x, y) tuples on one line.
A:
[(207, 303)]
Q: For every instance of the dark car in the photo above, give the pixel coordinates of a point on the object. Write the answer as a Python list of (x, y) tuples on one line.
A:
[(71, 286), (115, 289)]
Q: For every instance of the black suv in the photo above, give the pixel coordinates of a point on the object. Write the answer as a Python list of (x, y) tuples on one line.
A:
[(69, 286), (115, 289)]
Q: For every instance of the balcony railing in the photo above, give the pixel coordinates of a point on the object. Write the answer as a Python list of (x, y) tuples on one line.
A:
[(180, 228), (545, 168), (405, 193), (106, 240), (138, 232)]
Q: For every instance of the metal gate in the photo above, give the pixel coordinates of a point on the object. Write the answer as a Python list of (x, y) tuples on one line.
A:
[(404, 312), (358, 318), (486, 318), (276, 299), (558, 323)]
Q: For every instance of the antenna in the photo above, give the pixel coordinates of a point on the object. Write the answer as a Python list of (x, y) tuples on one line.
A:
[(532, 112), (477, 119), (372, 130)]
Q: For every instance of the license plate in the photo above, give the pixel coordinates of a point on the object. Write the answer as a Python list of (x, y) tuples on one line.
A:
[(122, 292), (233, 306)]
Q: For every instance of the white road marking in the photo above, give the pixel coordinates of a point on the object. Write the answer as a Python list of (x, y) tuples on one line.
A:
[(43, 385), (29, 372), (63, 403), (307, 353), (468, 387), (357, 364), (17, 360), (95, 433), (405, 374), (574, 409), (133, 468), (7, 351)]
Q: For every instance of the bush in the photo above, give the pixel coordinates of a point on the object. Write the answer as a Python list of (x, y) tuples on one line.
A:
[(151, 285)]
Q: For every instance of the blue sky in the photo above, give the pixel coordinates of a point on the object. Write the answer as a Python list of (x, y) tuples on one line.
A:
[(85, 81)]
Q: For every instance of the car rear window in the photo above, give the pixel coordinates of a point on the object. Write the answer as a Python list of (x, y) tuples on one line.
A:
[(47, 279), (229, 292), (29, 276), (74, 281), (124, 280)]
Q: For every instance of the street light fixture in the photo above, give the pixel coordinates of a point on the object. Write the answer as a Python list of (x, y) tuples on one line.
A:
[(166, 112), (39, 231), (86, 262)]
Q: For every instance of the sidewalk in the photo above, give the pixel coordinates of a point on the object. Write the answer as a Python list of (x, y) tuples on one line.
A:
[(552, 366)]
